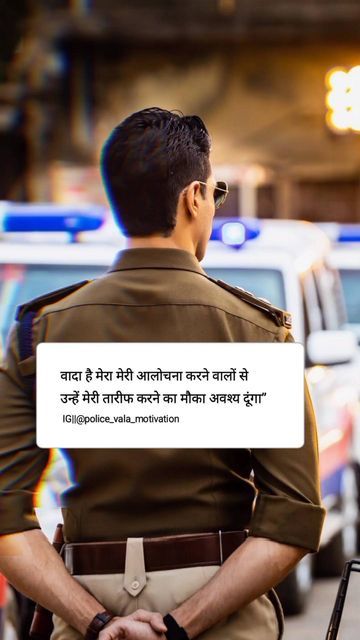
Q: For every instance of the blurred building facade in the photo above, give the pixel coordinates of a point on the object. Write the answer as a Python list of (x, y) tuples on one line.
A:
[(255, 71)]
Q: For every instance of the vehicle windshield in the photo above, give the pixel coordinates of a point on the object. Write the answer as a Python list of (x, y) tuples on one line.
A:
[(263, 283), (20, 283)]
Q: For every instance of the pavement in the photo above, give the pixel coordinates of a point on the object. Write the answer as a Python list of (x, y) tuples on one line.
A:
[(314, 623)]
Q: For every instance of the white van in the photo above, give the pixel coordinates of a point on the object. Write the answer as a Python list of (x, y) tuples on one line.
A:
[(285, 261)]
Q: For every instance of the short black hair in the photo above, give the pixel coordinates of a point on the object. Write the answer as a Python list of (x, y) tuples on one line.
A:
[(146, 162)]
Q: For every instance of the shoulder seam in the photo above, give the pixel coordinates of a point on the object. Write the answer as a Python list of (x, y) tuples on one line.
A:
[(169, 304), (280, 316), (52, 297)]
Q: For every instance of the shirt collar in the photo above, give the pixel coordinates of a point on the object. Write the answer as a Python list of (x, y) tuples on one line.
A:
[(150, 258)]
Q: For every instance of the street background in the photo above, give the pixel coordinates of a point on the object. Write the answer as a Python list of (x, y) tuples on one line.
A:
[(278, 85)]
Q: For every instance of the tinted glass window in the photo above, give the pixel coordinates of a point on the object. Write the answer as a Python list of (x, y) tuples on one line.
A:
[(350, 279), (314, 320), (330, 297)]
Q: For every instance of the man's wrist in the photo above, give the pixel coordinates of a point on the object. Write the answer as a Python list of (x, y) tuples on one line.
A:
[(174, 631), (97, 624)]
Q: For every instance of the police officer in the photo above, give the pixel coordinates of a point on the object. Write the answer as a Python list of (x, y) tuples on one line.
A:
[(159, 543)]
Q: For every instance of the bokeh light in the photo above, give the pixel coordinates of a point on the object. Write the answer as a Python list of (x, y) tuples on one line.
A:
[(343, 99)]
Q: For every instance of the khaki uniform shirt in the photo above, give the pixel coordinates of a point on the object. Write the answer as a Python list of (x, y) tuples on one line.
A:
[(157, 295)]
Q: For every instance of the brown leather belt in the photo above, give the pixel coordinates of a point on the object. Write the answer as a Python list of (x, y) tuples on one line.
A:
[(169, 552)]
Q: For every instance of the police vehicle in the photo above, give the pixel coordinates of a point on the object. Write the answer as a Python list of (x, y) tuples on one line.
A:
[(45, 247), (285, 261), (345, 257)]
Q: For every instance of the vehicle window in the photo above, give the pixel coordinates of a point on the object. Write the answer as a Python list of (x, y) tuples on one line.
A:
[(20, 283), (263, 283), (330, 296), (312, 312), (350, 280)]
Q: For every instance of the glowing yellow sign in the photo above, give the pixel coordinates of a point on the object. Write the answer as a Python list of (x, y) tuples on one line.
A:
[(343, 99)]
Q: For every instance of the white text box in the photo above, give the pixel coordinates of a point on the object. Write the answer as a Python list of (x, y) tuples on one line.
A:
[(173, 395)]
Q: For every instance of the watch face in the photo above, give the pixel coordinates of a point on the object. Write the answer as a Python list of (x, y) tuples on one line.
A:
[(104, 617)]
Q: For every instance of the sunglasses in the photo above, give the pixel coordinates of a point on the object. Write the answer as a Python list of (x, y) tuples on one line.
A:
[(220, 192)]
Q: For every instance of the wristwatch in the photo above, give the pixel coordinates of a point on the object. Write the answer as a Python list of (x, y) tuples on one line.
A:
[(97, 624), (174, 631)]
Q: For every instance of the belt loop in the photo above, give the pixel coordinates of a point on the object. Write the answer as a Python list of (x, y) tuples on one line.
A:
[(220, 546), (68, 557), (134, 577)]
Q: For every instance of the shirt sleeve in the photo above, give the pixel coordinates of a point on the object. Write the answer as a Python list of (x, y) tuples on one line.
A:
[(21, 461), (288, 504)]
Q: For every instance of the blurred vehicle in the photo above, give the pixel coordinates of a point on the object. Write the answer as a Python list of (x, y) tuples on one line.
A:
[(42, 248), (283, 261), (46, 247), (345, 257)]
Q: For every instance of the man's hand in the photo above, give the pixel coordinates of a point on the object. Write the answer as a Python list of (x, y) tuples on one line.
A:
[(140, 625), (34, 568), (255, 567)]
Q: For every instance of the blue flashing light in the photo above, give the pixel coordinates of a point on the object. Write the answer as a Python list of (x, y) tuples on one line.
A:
[(235, 232), (349, 233), (23, 217)]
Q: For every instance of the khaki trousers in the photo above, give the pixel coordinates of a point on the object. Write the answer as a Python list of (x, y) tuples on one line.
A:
[(163, 591)]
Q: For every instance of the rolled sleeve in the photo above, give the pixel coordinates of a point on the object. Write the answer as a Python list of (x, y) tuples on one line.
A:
[(288, 504), (21, 461)]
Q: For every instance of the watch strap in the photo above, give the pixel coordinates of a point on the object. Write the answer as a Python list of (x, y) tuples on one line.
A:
[(174, 631), (97, 624)]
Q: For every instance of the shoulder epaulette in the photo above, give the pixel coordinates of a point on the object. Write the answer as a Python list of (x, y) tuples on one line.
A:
[(47, 298), (282, 318)]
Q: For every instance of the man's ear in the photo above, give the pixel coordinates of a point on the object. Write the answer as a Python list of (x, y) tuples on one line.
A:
[(192, 198)]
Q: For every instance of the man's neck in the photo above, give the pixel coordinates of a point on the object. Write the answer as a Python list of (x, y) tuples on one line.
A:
[(158, 242)]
